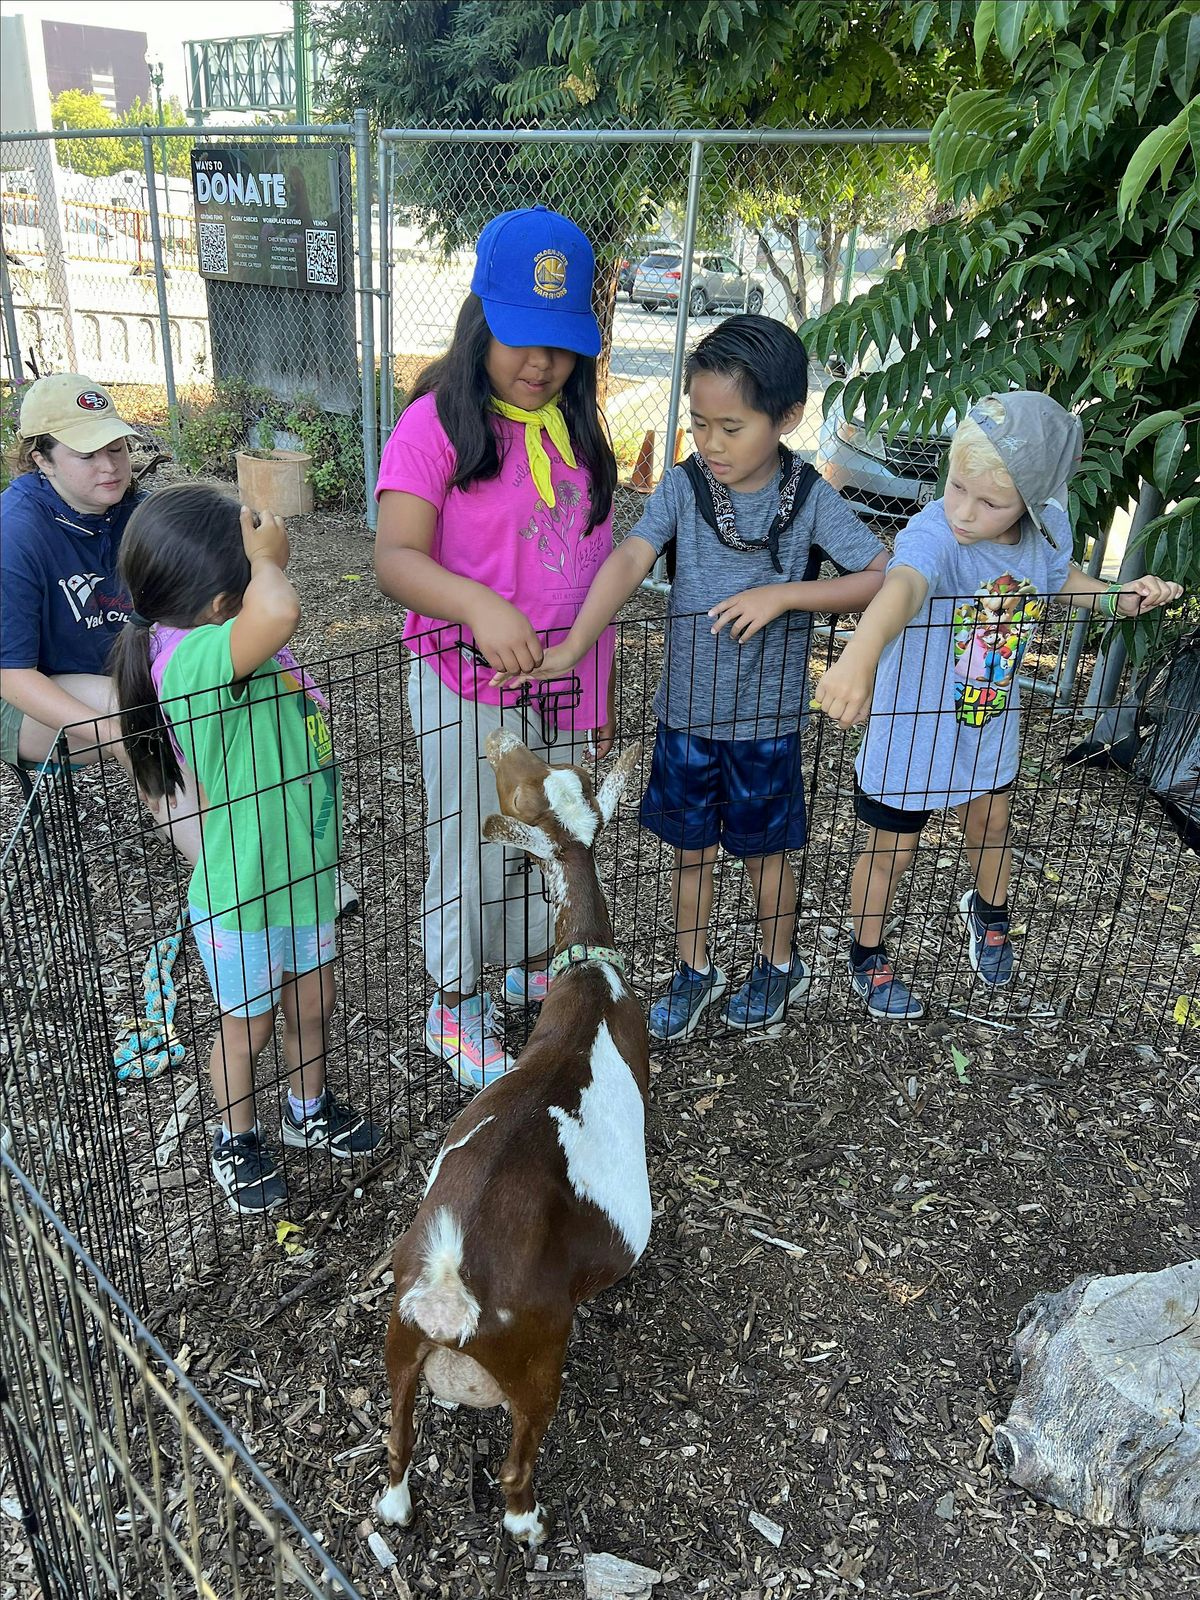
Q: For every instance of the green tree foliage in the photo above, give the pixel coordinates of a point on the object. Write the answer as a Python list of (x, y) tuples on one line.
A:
[(144, 114), (472, 63), (74, 108), (1073, 265), (780, 64), (100, 158)]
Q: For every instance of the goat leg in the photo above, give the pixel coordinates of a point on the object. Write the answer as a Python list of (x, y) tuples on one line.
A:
[(533, 1399), (403, 1369)]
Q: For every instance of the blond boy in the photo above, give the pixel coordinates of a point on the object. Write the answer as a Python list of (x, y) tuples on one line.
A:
[(935, 661)]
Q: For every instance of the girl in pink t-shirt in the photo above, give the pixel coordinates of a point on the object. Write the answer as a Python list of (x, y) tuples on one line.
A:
[(495, 513)]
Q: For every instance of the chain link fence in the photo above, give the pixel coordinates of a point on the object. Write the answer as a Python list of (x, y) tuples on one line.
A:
[(106, 271), (121, 1478), (687, 228), (220, 302)]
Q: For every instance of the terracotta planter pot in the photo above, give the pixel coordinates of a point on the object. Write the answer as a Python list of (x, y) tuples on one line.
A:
[(275, 480)]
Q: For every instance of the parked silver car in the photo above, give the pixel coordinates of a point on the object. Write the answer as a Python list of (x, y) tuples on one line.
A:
[(716, 281), (884, 480)]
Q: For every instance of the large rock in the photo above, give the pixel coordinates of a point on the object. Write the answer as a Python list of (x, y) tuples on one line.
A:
[(1106, 1418)]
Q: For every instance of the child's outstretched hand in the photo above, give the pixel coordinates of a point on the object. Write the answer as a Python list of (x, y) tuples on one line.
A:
[(1147, 594), (557, 662), (505, 636), (747, 612), (264, 535), (844, 692)]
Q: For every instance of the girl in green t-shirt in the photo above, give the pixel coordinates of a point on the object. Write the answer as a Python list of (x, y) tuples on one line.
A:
[(203, 675)]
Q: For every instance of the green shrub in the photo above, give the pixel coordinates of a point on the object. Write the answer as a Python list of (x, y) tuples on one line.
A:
[(239, 416), (335, 444), (209, 438), (11, 396)]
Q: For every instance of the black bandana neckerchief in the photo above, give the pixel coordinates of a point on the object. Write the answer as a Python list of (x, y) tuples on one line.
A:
[(796, 478)]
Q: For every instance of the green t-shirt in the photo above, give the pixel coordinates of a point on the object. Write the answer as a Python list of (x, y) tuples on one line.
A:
[(262, 752)]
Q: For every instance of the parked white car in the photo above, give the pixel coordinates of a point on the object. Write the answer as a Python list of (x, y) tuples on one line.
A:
[(717, 280)]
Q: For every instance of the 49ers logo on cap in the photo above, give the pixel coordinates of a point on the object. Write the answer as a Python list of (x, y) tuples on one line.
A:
[(92, 400)]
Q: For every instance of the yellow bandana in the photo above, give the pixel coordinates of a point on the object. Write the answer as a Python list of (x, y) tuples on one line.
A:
[(550, 418)]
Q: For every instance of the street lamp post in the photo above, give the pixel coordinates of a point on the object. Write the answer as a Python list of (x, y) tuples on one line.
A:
[(155, 66)]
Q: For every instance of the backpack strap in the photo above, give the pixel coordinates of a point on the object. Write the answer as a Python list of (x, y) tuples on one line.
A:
[(808, 480)]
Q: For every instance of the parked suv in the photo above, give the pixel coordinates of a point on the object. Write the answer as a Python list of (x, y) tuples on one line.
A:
[(716, 281), (884, 480), (635, 254)]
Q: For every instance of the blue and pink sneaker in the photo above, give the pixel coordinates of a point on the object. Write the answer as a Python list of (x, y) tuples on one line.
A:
[(463, 1037)]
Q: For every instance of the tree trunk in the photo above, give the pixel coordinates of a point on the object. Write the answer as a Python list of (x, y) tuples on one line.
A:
[(794, 302), (604, 304), (832, 236), (1103, 1422)]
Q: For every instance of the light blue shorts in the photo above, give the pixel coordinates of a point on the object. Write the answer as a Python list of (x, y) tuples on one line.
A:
[(246, 970)]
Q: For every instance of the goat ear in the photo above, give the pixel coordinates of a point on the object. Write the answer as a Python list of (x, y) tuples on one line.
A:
[(520, 835), (609, 794)]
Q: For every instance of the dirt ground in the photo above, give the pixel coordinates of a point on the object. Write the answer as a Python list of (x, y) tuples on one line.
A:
[(847, 1222)]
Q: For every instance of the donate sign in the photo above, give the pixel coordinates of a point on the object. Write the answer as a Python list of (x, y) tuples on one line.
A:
[(270, 214)]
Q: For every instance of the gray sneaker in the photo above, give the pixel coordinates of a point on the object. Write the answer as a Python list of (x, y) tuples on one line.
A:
[(885, 995), (678, 1013), (333, 1126), (246, 1171)]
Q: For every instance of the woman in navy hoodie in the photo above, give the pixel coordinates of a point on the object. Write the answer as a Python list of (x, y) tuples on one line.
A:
[(61, 602)]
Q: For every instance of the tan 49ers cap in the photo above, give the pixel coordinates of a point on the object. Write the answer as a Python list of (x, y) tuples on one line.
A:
[(74, 409)]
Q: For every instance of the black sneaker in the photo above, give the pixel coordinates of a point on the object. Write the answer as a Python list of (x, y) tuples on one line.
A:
[(246, 1171), (341, 1130)]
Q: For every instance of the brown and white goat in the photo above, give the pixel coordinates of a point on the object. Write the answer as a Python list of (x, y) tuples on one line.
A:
[(539, 1197)]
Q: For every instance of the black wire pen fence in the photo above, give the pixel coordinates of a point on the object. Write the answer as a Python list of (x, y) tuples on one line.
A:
[(108, 1189)]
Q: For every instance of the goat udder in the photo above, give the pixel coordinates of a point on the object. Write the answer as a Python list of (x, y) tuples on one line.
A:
[(459, 1380)]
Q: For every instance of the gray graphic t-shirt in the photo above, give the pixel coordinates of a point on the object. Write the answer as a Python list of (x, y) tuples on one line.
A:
[(714, 686), (944, 716)]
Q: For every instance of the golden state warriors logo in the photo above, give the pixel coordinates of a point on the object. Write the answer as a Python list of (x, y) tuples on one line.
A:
[(550, 274)]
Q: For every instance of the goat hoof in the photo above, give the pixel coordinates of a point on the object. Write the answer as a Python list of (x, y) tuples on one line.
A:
[(529, 1528), (395, 1506)]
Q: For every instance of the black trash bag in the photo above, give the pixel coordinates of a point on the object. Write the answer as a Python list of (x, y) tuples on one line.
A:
[(1168, 730)]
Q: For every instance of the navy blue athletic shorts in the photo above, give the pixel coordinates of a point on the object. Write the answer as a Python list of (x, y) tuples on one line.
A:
[(746, 794)]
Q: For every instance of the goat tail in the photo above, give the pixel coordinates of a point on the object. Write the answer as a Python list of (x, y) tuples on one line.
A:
[(439, 1302)]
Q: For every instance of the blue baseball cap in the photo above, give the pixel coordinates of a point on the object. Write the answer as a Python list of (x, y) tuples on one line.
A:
[(533, 272)]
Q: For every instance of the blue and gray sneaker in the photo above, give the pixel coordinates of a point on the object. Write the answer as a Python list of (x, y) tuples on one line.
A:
[(763, 999), (876, 983), (989, 948), (678, 1013), (522, 988)]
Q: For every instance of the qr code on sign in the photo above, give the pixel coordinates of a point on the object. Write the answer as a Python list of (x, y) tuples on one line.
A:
[(320, 255), (214, 250)]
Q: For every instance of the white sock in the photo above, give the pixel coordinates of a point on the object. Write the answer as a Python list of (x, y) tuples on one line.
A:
[(785, 968)]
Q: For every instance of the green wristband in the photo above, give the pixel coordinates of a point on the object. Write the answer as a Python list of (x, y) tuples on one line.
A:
[(1110, 600)]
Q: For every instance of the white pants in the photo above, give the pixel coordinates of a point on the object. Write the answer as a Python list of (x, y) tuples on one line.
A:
[(481, 904)]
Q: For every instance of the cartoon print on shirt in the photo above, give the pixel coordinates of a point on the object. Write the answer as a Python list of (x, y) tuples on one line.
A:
[(558, 532), (296, 681), (991, 634)]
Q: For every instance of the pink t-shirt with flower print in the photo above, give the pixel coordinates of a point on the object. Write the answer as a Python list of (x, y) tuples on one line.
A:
[(502, 534)]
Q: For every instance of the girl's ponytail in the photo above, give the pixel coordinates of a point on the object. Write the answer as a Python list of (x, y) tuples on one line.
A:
[(144, 728), (183, 550)]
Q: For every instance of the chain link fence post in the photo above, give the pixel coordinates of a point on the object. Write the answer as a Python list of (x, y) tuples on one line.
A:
[(160, 285), (387, 362), (366, 304), (12, 336)]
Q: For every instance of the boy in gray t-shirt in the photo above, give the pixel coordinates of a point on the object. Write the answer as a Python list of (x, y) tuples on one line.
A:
[(941, 648), (750, 525)]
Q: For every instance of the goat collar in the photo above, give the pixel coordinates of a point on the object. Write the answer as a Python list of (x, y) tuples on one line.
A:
[(575, 955)]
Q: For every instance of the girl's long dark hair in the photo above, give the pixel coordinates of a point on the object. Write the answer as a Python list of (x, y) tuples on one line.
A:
[(182, 548), (459, 382)]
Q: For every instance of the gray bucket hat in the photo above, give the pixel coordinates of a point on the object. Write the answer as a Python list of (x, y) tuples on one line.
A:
[(1040, 444)]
